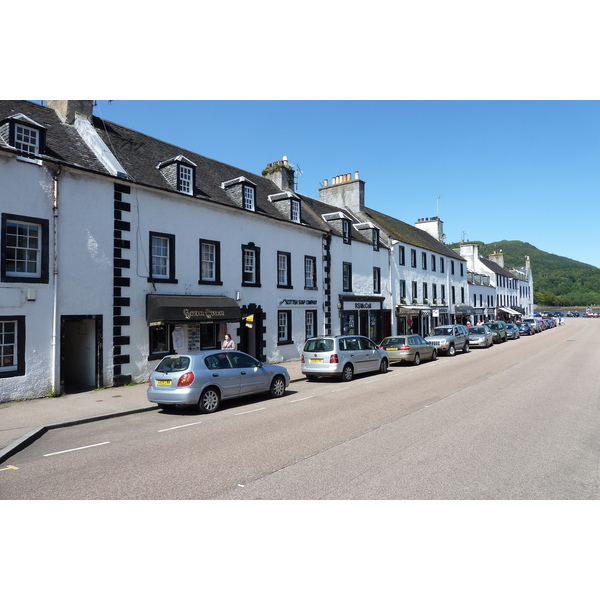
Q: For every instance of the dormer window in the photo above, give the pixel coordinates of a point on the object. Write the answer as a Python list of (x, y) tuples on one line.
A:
[(375, 239), (27, 139), (249, 197), (27, 136), (186, 179), (295, 211), (346, 231), (180, 174), (288, 205)]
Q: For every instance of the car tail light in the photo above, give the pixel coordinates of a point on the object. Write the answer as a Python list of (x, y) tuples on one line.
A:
[(334, 359), (186, 379), (302, 358), (150, 380), (404, 347)]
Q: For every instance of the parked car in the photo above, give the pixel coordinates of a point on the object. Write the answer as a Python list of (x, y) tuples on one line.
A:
[(342, 356), (408, 348), (204, 378), (449, 339), (534, 322), (480, 336), (526, 328), (512, 332), (498, 329)]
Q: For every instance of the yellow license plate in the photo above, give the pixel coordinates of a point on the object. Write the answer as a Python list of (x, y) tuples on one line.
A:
[(163, 382), (315, 360), (391, 348)]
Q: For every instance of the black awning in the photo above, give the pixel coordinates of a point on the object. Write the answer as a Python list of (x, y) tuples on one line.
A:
[(179, 309)]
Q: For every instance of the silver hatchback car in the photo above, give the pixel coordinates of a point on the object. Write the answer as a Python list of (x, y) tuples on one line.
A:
[(203, 378), (342, 356)]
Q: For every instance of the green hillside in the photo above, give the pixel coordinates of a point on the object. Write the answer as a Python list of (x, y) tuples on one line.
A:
[(557, 280)]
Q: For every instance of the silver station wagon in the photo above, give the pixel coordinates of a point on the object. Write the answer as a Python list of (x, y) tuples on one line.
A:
[(204, 378), (342, 356)]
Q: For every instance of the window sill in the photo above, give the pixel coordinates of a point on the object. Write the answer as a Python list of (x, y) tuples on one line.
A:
[(202, 282), (155, 280), (33, 161)]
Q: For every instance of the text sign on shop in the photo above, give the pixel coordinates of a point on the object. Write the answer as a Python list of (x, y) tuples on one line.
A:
[(362, 305)]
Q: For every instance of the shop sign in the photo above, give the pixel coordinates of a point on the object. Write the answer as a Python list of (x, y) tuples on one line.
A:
[(296, 302), (361, 305)]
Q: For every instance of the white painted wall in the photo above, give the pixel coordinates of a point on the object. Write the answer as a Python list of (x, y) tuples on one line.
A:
[(26, 189)]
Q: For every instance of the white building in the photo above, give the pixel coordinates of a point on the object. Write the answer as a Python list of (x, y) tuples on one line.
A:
[(513, 290), (118, 248)]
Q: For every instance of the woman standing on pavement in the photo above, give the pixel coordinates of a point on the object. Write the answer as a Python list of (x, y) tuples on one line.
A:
[(228, 343)]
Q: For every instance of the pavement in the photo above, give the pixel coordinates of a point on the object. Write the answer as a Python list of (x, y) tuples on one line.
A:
[(24, 421)]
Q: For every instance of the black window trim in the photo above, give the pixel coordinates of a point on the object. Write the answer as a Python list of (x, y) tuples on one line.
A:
[(44, 224), (171, 278), (288, 257), (256, 249), (21, 341), (217, 280)]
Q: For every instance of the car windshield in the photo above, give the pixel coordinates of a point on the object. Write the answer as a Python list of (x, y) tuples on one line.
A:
[(318, 345), (477, 330), (443, 331), (171, 364), (394, 341), (494, 326)]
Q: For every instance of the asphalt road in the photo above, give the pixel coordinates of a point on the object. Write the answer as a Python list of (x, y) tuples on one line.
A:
[(516, 421)]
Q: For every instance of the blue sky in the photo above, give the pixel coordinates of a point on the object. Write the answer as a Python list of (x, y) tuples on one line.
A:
[(503, 170)]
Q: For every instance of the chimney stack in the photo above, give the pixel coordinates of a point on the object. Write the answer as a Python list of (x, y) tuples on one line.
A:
[(69, 109), (344, 192), (281, 173)]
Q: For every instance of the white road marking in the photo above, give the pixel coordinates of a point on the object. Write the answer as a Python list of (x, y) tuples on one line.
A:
[(300, 399), (179, 426), (73, 449), (250, 411)]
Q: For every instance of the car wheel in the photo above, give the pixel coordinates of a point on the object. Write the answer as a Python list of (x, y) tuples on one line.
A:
[(433, 356), (383, 366), (209, 401), (466, 347), (417, 360), (347, 373), (277, 387), (451, 350)]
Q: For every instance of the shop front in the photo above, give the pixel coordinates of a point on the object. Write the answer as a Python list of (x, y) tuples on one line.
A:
[(464, 314), (362, 315), (185, 323), (508, 314), (418, 318)]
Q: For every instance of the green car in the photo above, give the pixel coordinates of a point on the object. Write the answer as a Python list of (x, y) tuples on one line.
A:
[(498, 329)]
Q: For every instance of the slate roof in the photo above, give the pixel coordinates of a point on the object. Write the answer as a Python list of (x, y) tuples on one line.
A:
[(63, 144), (409, 234), (496, 268), (139, 154)]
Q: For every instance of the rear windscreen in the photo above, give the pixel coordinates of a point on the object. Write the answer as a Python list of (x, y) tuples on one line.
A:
[(172, 364), (318, 345)]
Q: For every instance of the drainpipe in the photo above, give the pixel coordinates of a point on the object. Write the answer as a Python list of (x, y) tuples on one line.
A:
[(54, 383)]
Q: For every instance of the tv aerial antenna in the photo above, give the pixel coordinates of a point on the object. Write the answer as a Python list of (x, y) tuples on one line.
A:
[(297, 174)]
